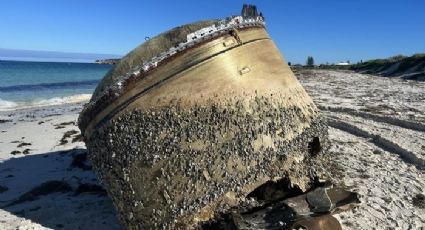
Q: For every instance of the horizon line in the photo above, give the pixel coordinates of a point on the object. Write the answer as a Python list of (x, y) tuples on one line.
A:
[(55, 51), (51, 60)]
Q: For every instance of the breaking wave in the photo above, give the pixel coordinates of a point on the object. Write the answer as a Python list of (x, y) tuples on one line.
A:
[(4, 105), (11, 105)]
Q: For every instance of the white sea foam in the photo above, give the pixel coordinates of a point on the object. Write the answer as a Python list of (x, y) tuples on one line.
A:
[(63, 100), (10, 105), (4, 105)]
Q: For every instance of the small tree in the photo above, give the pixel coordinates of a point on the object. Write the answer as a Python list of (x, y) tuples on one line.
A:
[(289, 63), (310, 61)]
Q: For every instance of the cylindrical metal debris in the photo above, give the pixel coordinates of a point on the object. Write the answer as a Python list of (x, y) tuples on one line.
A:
[(192, 121)]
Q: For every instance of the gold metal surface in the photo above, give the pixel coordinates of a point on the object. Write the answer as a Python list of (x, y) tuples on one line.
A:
[(219, 69)]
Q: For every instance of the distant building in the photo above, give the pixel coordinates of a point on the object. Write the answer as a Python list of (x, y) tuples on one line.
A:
[(343, 63), (107, 61)]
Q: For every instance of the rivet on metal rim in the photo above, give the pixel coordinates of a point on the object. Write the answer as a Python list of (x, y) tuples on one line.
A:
[(228, 42), (244, 70)]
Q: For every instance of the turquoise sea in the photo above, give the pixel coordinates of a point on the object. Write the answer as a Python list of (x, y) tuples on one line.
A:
[(24, 84)]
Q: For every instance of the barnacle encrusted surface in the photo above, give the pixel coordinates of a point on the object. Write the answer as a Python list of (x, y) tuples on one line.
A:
[(174, 166)]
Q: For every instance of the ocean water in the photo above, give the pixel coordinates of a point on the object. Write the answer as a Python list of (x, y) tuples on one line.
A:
[(28, 84)]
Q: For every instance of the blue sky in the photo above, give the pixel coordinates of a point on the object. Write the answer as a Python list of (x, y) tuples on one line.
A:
[(328, 30)]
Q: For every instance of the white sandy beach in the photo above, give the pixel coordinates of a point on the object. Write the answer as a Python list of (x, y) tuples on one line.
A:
[(377, 127), (49, 158), (377, 130)]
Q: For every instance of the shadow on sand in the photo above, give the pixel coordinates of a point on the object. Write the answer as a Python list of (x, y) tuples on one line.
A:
[(56, 190)]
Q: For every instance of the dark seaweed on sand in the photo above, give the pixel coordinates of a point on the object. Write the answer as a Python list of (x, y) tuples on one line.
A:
[(23, 144), (66, 135), (15, 152), (26, 151)]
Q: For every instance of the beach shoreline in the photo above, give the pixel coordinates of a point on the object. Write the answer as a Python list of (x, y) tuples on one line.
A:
[(46, 181), (11, 106), (34, 84)]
